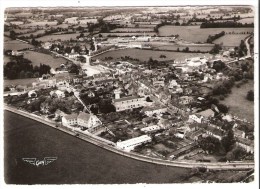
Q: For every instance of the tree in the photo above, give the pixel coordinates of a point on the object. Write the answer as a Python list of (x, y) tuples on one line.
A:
[(223, 108), (250, 95), (236, 154), (209, 144), (12, 35), (228, 141)]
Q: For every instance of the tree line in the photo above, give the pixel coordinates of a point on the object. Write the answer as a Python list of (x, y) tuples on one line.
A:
[(227, 24)]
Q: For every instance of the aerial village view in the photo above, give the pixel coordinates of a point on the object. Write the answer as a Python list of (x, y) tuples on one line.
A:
[(164, 87)]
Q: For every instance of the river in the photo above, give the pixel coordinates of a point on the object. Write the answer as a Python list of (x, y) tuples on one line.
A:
[(78, 162)]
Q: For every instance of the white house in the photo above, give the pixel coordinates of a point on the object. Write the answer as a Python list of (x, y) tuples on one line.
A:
[(130, 144), (88, 121), (69, 120), (32, 93), (195, 118)]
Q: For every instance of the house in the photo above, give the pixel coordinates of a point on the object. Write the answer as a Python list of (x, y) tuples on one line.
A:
[(57, 93), (130, 144), (239, 133), (150, 111), (206, 113), (246, 144), (128, 103), (195, 135), (195, 118), (88, 121), (73, 55), (151, 129), (32, 94), (186, 100), (216, 133), (69, 120), (44, 83)]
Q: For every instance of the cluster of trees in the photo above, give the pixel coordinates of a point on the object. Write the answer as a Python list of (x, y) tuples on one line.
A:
[(224, 146), (103, 26), (74, 68), (250, 95), (227, 24), (214, 37), (218, 65), (241, 50), (22, 68), (224, 87), (216, 48)]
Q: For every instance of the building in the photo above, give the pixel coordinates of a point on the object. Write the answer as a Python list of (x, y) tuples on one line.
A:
[(88, 121), (69, 120), (186, 100), (43, 84), (130, 144), (32, 93), (150, 111), (239, 133), (216, 133), (128, 103), (58, 94), (246, 144), (195, 118), (151, 129), (207, 113)]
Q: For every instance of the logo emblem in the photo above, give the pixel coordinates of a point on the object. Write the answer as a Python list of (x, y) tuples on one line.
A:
[(36, 162)]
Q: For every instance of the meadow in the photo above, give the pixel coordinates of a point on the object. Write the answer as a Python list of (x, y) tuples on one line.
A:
[(16, 45), (62, 37), (40, 58), (231, 40), (144, 55), (128, 34), (132, 30), (32, 33), (42, 23), (246, 20), (195, 33), (238, 104)]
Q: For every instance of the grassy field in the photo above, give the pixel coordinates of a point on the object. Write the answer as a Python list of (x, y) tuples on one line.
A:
[(38, 58), (6, 59), (191, 48), (195, 34), (33, 33), (246, 20), (144, 55), (238, 103), (62, 37), (231, 40), (129, 34), (16, 45), (132, 30), (27, 81), (40, 24)]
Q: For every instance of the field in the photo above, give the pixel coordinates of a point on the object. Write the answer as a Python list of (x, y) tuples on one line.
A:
[(38, 58), (6, 59), (132, 30), (201, 48), (195, 34), (62, 37), (239, 105), (230, 40), (40, 24), (33, 33), (246, 20), (129, 34), (144, 55), (27, 82), (16, 45)]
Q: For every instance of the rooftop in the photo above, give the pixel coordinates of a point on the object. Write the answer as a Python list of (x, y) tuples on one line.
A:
[(127, 98)]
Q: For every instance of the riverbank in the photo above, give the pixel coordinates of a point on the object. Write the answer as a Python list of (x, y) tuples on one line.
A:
[(94, 140)]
